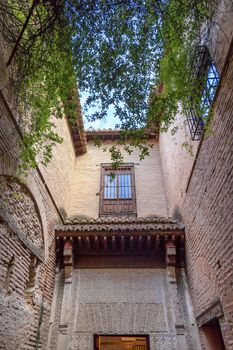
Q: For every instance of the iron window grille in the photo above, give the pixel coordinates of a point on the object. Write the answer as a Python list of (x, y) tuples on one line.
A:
[(205, 71), (117, 191)]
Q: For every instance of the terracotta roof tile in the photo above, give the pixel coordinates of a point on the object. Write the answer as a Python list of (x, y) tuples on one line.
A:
[(121, 223)]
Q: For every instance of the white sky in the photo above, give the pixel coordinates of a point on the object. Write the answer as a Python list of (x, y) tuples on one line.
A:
[(109, 122)]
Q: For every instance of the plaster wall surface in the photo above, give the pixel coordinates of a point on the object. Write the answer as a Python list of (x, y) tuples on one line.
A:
[(150, 194), (58, 174), (119, 301), (178, 153)]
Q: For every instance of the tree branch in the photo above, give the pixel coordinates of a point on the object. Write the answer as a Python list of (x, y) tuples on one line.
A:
[(35, 2)]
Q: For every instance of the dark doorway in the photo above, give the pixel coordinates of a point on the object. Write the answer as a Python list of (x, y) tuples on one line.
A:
[(121, 342), (212, 335)]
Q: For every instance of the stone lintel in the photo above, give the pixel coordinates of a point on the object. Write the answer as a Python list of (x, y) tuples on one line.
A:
[(213, 311)]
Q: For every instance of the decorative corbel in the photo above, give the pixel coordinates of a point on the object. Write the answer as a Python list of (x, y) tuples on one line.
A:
[(170, 253), (68, 259)]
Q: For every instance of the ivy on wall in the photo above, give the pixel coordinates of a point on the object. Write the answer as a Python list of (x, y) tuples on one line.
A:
[(120, 52)]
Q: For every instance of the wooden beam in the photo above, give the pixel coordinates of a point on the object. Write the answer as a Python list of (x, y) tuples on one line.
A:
[(131, 243), (148, 242), (182, 251), (105, 242), (80, 244), (113, 243), (157, 241), (87, 242), (122, 243), (97, 245), (140, 242)]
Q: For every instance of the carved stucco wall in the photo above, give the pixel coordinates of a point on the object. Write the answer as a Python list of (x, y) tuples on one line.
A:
[(116, 301)]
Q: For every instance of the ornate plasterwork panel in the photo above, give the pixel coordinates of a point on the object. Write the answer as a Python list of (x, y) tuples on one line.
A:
[(19, 211), (117, 317), (120, 301)]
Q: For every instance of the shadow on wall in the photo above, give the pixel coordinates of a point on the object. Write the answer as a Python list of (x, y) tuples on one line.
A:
[(177, 214), (63, 213)]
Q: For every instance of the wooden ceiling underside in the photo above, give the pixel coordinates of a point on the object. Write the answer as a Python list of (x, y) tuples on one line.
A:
[(152, 245)]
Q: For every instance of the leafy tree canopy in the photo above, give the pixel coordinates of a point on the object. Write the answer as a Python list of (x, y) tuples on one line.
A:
[(119, 51)]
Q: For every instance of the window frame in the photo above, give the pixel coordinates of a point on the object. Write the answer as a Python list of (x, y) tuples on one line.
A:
[(202, 64), (118, 202), (146, 336)]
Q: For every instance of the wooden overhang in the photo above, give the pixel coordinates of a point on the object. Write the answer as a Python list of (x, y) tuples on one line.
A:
[(121, 242), (78, 134)]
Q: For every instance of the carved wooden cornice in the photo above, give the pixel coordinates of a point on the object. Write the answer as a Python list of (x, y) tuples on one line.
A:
[(152, 237)]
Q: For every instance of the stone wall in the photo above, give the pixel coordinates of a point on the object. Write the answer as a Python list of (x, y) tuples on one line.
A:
[(150, 194), (205, 203), (121, 301)]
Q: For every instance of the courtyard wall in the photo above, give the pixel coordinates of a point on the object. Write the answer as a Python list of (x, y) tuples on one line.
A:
[(199, 192)]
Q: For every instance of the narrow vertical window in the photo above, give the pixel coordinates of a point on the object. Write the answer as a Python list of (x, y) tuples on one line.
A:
[(117, 194)]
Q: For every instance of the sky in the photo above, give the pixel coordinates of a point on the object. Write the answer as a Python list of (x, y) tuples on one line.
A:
[(108, 123)]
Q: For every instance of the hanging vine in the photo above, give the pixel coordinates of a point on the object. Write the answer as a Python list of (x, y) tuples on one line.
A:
[(120, 52)]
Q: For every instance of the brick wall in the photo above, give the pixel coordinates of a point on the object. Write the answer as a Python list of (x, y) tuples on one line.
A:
[(206, 206), (207, 213), (58, 174), (28, 216), (148, 181), (177, 152)]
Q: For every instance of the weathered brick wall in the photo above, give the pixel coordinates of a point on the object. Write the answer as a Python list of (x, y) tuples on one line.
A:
[(177, 150), (206, 207), (26, 211), (207, 213), (15, 315), (150, 194)]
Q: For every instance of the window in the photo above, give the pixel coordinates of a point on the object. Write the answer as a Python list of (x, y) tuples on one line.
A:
[(121, 342), (117, 195), (204, 70)]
